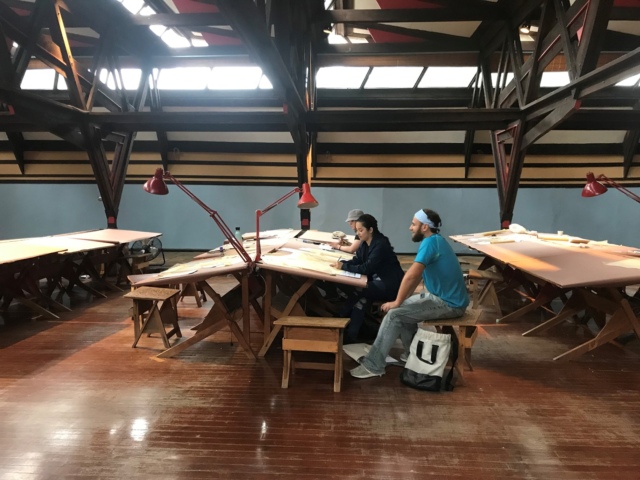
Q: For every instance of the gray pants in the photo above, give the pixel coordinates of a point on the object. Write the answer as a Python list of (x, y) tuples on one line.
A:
[(403, 322)]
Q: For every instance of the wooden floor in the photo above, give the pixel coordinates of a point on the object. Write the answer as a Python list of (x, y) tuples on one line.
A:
[(76, 401)]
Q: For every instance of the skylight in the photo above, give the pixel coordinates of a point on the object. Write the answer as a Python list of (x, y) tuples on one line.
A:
[(265, 83), (341, 77), (447, 77), (393, 77), (232, 78), (130, 78), (183, 78), (174, 39), (554, 79), (38, 79), (629, 82), (133, 6), (494, 78)]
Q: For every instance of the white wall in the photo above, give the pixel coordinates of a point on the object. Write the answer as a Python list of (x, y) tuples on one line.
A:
[(44, 209)]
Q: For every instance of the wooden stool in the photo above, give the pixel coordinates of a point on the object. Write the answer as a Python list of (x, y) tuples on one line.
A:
[(487, 291), (149, 317), (465, 329), (312, 334), (192, 290)]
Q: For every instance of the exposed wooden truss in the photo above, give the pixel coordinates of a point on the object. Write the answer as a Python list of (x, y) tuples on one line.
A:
[(286, 39)]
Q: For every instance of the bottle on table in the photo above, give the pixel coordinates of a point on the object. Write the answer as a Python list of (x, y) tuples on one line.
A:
[(238, 234)]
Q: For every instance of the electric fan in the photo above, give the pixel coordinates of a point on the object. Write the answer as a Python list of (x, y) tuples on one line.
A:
[(151, 247)]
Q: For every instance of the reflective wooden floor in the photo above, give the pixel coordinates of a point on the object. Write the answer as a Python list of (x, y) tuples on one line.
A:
[(76, 401)]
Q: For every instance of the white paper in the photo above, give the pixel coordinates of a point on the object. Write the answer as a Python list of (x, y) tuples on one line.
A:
[(349, 274)]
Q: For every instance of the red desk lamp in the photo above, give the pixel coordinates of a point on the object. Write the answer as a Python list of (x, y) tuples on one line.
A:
[(598, 185), (156, 186), (306, 201)]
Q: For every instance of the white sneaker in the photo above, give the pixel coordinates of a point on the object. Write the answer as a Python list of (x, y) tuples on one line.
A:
[(404, 357), (362, 372)]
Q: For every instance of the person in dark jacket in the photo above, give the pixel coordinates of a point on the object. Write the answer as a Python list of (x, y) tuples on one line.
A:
[(376, 259)]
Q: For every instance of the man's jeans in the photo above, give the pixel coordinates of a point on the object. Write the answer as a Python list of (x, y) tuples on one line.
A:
[(403, 321)]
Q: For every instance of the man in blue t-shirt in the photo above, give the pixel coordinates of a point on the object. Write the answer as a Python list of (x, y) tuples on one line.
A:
[(445, 295)]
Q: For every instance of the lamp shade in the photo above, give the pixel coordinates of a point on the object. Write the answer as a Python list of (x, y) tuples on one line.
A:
[(155, 185), (593, 188), (307, 200)]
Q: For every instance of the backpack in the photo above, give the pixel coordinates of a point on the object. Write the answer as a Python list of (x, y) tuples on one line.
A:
[(428, 358)]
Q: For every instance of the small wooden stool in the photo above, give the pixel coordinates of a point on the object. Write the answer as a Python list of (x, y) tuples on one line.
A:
[(149, 317), (312, 334), (192, 290), (465, 329)]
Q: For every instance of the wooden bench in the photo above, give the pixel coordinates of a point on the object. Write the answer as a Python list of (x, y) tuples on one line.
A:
[(312, 334), (487, 291), (150, 317), (465, 329)]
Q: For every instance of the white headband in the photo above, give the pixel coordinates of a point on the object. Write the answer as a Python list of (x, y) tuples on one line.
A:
[(423, 218)]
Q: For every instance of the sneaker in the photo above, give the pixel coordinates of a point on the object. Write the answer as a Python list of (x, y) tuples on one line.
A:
[(363, 372), (404, 357)]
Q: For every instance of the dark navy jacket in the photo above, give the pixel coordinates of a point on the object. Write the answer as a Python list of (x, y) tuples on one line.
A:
[(379, 259)]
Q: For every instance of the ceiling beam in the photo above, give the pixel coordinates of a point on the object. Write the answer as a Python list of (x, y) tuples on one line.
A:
[(200, 19), (603, 77), (412, 15)]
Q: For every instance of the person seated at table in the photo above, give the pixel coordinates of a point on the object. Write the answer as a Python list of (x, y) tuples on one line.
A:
[(376, 259), (445, 295), (352, 216)]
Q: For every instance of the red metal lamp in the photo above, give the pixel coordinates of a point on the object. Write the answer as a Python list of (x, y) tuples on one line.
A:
[(156, 186), (598, 185), (306, 201)]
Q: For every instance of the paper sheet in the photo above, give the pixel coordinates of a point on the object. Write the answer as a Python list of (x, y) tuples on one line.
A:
[(626, 263)]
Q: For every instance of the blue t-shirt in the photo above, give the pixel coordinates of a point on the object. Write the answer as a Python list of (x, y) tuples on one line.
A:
[(442, 274)]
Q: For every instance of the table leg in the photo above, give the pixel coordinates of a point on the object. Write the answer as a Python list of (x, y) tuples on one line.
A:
[(574, 305)]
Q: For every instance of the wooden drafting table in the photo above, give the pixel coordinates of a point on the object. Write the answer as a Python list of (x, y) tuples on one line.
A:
[(226, 309), (317, 236), (20, 262), (595, 273), (281, 233), (118, 237), (306, 263), (78, 258), (113, 235)]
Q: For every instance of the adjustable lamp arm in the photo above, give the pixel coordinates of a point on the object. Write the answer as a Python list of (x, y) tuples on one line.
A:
[(259, 213), (306, 201), (612, 183), (278, 202), (224, 228)]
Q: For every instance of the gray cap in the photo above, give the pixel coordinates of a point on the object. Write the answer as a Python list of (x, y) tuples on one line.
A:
[(354, 215)]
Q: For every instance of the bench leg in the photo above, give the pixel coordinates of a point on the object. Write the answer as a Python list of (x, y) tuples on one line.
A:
[(460, 332), (286, 368), (337, 374)]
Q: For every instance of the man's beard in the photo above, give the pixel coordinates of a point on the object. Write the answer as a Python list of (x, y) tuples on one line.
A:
[(417, 237)]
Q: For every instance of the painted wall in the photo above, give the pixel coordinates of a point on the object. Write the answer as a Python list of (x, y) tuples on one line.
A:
[(45, 209)]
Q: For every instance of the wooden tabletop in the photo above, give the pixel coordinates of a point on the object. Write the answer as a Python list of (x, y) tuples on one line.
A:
[(70, 245), (152, 293), (14, 251), (325, 237), (317, 322), (190, 272), (561, 263), (114, 235), (297, 257)]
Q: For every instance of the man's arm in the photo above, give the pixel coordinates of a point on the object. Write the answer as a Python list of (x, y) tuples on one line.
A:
[(410, 281)]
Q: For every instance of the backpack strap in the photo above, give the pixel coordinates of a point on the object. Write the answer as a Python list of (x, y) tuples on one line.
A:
[(448, 385)]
